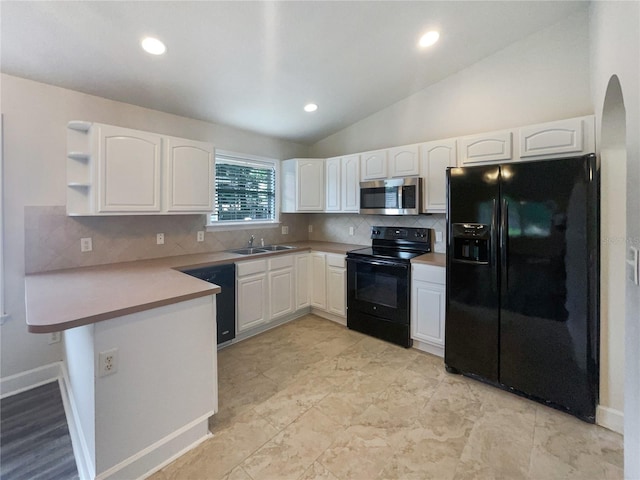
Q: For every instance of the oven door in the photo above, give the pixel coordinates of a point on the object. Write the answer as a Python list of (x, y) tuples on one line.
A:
[(378, 288)]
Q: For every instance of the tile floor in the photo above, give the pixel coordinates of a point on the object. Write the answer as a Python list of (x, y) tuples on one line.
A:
[(313, 400)]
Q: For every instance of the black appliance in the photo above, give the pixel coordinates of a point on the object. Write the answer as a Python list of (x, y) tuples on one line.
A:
[(225, 277), (379, 282), (392, 196), (522, 279)]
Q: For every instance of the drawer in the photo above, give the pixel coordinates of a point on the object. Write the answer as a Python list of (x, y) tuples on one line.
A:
[(428, 273), (249, 268), (336, 261), (281, 261)]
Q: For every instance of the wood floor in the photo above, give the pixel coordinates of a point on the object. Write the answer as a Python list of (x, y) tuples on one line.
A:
[(34, 437)]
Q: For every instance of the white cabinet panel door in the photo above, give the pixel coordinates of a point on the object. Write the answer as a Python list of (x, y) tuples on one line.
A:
[(311, 185), (573, 136), (318, 281), (435, 157), (485, 148), (303, 280), (336, 291), (333, 169), (130, 164), (190, 175), (351, 183), (404, 161), (281, 291), (373, 165), (251, 301), (428, 312)]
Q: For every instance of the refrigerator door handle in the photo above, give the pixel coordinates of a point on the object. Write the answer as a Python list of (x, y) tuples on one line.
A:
[(504, 244), (494, 244)]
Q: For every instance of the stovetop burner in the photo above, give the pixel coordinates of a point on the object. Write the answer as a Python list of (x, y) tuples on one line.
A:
[(396, 243)]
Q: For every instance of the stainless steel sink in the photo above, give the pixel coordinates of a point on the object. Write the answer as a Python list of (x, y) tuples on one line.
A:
[(248, 251), (275, 248)]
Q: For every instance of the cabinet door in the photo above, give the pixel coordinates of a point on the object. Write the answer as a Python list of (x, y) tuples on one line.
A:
[(129, 170), (251, 310), (281, 293), (311, 185), (373, 165), (564, 137), (303, 280), (333, 169), (318, 281), (404, 161), (190, 175), (435, 157), (427, 312), (336, 291), (351, 183), (485, 148)]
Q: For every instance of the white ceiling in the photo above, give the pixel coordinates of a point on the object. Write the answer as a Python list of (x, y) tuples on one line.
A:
[(253, 65)]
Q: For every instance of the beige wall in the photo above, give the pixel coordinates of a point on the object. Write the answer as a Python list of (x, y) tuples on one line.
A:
[(540, 78), (615, 50), (35, 119)]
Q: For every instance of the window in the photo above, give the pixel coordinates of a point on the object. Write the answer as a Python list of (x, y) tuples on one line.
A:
[(245, 190)]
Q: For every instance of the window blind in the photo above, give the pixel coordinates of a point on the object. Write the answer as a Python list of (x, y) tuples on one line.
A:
[(245, 191)]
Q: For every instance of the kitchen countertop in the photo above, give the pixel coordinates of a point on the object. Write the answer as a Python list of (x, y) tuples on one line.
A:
[(64, 299), (433, 258)]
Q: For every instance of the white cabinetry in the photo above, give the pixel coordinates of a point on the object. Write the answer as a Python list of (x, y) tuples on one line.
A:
[(489, 147), (281, 286), (303, 185), (336, 285), (428, 307), (404, 161), (373, 165), (318, 280), (435, 157), (303, 280), (573, 136), (342, 184), (119, 171), (251, 294), (189, 183)]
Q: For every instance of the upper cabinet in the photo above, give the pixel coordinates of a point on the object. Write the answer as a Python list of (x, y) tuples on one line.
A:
[(373, 165), (119, 171), (188, 163), (342, 178), (489, 147), (303, 185), (573, 136), (435, 158), (404, 161)]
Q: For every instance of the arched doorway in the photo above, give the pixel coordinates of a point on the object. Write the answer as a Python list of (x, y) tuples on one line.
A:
[(613, 161)]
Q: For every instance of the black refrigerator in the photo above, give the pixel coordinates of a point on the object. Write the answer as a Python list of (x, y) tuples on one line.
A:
[(522, 307)]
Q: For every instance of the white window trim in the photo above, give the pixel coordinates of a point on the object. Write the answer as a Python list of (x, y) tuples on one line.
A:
[(249, 224)]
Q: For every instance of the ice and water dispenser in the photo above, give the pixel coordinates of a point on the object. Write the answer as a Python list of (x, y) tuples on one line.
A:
[(471, 242)]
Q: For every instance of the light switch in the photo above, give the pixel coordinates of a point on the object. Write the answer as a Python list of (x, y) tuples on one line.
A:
[(438, 237), (632, 265)]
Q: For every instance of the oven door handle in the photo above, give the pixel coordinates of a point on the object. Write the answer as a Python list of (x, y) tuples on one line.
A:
[(379, 263)]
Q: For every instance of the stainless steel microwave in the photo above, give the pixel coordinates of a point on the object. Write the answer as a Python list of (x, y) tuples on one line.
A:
[(392, 196)]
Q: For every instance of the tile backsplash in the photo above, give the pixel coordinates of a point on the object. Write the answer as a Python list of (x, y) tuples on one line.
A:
[(52, 239), (335, 227)]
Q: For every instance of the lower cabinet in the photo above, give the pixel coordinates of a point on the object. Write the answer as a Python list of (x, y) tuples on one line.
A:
[(251, 294), (319, 280), (281, 286), (336, 285), (428, 307)]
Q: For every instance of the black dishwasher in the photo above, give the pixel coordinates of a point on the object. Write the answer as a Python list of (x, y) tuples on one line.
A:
[(225, 277)]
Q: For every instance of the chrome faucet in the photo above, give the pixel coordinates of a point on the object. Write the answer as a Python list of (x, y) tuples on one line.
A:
[(250, 242)]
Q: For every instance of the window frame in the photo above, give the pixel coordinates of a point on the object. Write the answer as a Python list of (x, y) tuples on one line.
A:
[(247, 224)]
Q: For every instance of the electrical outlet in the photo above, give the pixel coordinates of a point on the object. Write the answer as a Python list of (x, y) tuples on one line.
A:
[(351, 231), (285, 230), (310, 228), (108, 362), (86, 245), (200, 236), (55, 337), (438, 237), (160, 239)]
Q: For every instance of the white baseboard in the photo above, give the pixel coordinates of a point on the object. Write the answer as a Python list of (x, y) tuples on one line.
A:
[(23, 381), (610, 418), (428, 348)]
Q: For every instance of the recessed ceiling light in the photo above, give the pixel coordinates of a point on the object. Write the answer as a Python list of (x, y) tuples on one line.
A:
[(153, 46), (429, 39), (310, 107)]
